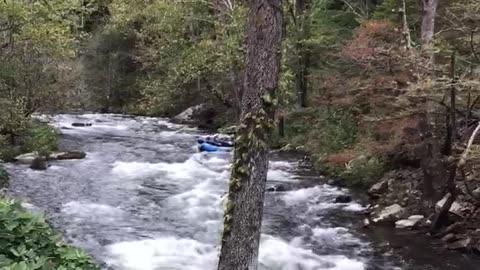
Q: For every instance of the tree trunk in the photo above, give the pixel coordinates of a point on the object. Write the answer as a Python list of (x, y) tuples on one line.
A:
[(427, 12), (301, 53), (244, 209), (402, 17)]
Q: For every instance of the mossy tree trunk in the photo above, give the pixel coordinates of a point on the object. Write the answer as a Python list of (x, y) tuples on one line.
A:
[(244, 209)]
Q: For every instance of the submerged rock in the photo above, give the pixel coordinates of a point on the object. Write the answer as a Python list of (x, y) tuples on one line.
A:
[(81, 124), (39, 164), (388, 214), (277, 188), (68, 155), (27, 158), (343, 199), (409, 223)]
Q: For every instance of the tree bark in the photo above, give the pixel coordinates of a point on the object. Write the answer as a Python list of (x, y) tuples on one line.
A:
[(402, 17), (427, 12), (244, 208), (301, 53)]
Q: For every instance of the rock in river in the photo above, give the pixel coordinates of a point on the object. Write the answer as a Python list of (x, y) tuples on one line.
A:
[(27, 158), (68, 155), (343, 199), (39, 164), (81, 124)]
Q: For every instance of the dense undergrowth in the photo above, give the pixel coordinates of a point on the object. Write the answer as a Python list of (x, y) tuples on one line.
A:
[(27, 242), (34, 136), (334, 143)]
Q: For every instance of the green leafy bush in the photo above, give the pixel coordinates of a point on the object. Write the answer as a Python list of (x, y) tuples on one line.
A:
[(363, 171), (27, 242), (323, 131), (40, 137), (35, 137)]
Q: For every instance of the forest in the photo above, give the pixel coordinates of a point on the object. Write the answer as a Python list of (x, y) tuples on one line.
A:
[(380, 96)]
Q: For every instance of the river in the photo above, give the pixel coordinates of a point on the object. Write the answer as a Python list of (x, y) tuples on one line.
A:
[(144, 199)]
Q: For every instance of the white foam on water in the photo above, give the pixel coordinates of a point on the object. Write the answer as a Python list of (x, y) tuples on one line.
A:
[(335, 237), (188, 254), (189, 171), (163, 253), (87, 210), (354, 207), (350, 207), (281, 165), (279, 176), (309, 194), (202, 203), (276, 254)]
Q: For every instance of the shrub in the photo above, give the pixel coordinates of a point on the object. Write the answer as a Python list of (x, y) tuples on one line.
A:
[(323, 131), (363, 171), (28, 242), (37, 136), (40, 137)]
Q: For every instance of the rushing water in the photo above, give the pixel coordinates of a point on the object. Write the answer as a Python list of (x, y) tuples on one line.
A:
[(144, 199)]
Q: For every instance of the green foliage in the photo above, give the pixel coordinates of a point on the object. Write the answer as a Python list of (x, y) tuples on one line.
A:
[(363, 172), (324, 131), (34, 136), (177, 54), (388, 10), (27, 242), (40, 137)]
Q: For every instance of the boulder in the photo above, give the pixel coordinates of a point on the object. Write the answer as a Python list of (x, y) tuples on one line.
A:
[(378, 189), (388, 214), (67, 155), (343, 199), (199, 115), (39, 164), (409, 223), (456, 208), (461, 245), (81, 124), (27, 158)]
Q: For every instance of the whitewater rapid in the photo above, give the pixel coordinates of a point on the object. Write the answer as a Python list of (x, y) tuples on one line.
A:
[(145, 199)]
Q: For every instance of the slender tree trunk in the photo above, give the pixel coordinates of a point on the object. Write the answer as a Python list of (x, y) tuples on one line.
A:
[(244, 208), (301, 53), (402, 16), (427, 12)]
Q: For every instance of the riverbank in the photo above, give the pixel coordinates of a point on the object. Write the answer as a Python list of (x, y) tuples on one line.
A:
[(384, 162), (28, 241), (388, 164)]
